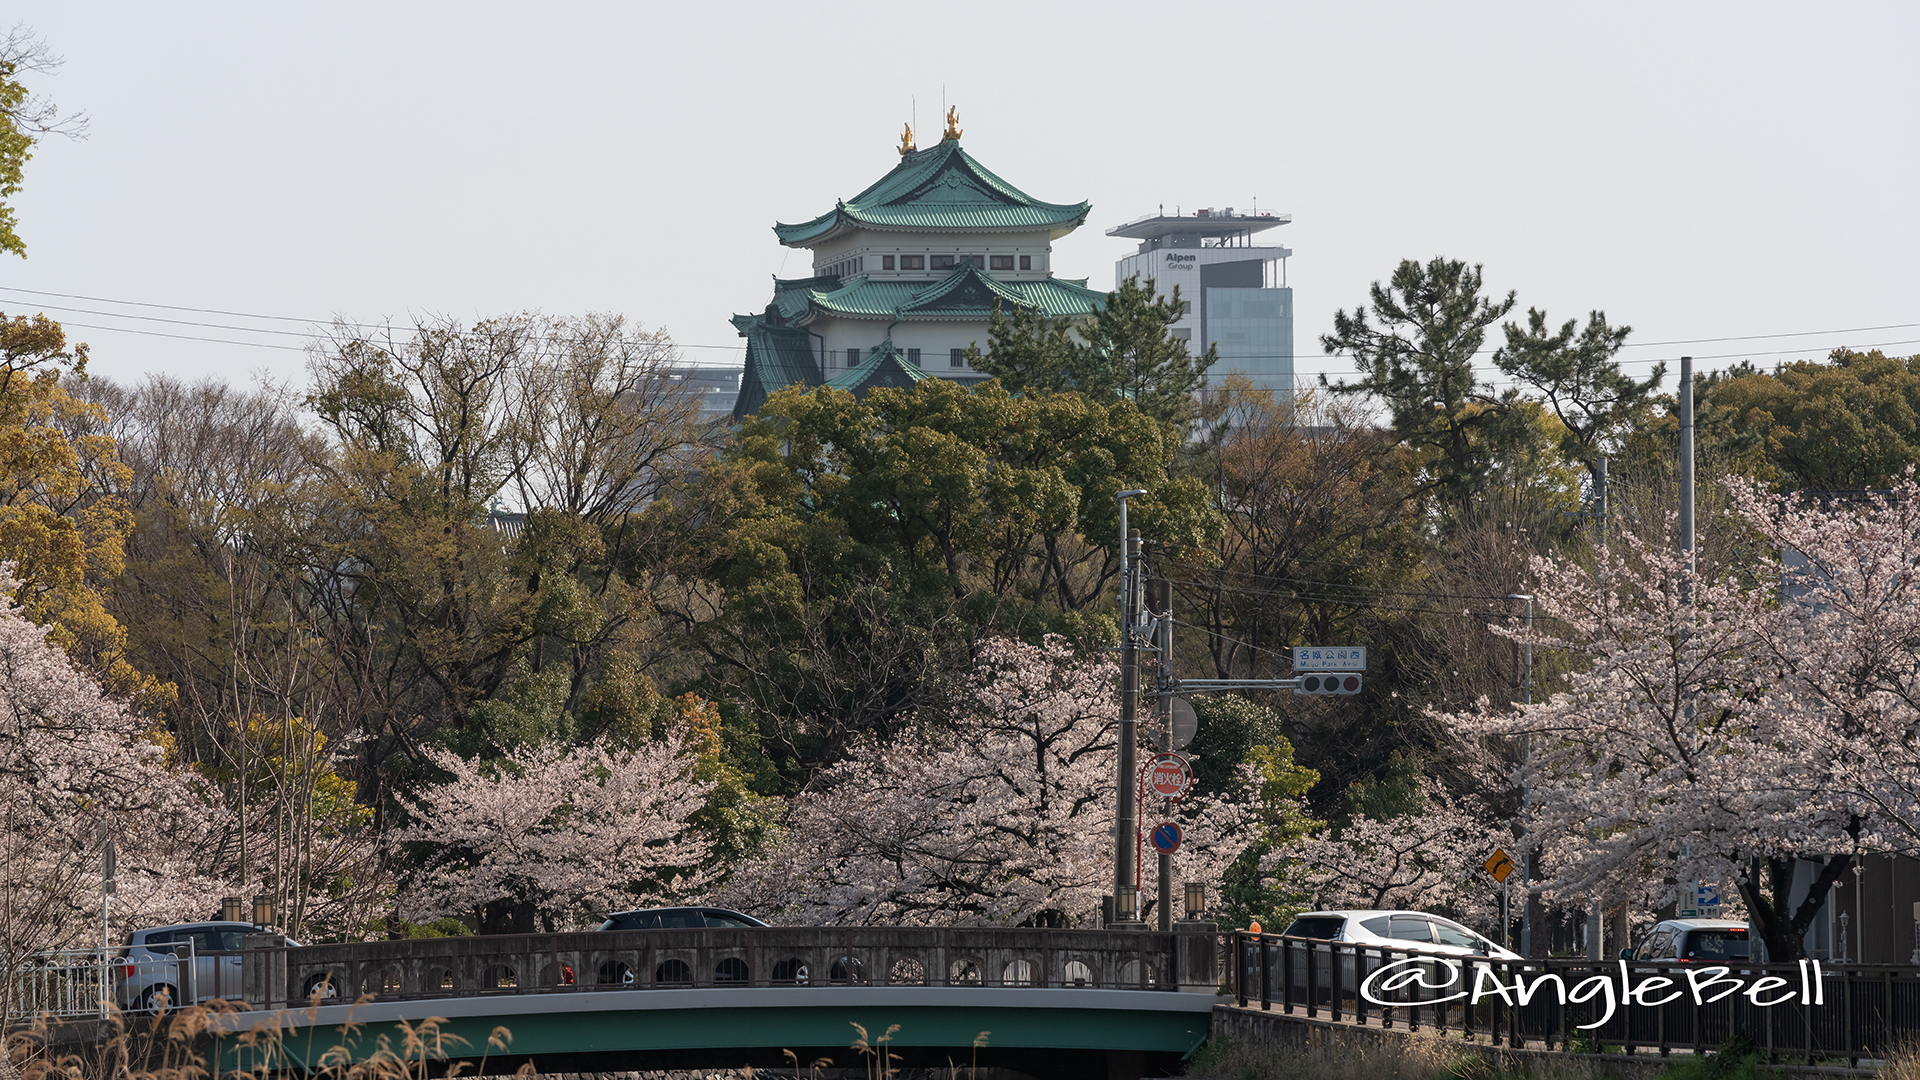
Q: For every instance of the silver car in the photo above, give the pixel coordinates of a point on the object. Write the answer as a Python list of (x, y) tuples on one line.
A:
[(1692, 941), (205, 956)]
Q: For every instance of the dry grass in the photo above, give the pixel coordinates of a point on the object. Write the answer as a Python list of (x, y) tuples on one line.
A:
[(1410, 1057), (176, 1045)]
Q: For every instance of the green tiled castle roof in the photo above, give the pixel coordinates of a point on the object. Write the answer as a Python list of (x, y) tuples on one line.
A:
[(777, 357), (939, 189), (965, 294), (884, 366)]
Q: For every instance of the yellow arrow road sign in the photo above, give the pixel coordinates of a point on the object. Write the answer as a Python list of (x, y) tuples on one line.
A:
[(1499, 864)]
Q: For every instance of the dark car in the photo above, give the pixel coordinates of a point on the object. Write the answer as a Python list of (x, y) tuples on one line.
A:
[(679, 918)]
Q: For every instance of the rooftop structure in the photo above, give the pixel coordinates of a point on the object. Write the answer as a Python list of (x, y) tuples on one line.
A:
[(913, 265), (1203, 228), (1234, 290)]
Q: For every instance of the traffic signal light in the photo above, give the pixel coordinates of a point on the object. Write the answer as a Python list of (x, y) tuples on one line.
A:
[(1331, 683)]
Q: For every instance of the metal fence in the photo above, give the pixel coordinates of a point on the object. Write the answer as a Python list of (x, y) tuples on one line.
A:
[(1808, 1010), (67, 985)]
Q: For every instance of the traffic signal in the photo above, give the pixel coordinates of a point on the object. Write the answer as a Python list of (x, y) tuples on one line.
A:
[(1332, 683)]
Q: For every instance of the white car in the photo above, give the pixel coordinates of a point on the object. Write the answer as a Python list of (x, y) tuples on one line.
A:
[(1397, 929), (1432, 935), (206, 956)]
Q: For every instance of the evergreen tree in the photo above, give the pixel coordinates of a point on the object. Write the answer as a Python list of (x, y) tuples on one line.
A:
[(1416, 355), (1124, 351), (1579, 381)]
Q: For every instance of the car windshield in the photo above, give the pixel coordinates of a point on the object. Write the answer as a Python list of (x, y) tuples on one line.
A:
[(1326, 927), (1717, 945)]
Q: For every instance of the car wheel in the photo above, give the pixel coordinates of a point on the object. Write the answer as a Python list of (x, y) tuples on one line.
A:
[(156, 998), (319, 985)]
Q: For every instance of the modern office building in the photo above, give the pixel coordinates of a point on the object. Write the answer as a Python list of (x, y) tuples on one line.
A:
[(906, 275), (1235, 291)]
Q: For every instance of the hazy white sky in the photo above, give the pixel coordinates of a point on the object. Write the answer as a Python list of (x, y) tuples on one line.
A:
[(1698, 171)]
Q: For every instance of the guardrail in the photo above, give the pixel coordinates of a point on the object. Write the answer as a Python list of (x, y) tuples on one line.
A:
[(1809, 1009)]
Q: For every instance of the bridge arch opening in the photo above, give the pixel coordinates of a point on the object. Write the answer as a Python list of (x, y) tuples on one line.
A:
[(1077, 973), (791, 970), (847, 969), (731, 970), (500, 977), (965, 971), (673, 971), (1017, 973), (381, 980), (615, 973), (907, 971)]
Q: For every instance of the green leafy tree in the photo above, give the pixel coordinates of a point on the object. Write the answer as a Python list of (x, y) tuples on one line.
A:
[(1240, 751), (1849, 422), (1416, 354), (860, 546), (1124, 351), (24, 119)]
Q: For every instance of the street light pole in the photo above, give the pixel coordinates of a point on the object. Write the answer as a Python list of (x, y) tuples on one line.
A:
[(1126, 824), (1526, 757)]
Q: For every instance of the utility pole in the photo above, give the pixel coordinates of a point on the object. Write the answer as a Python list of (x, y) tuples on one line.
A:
[(1163, 645), (1600, 497), (1686, 473), (1126, 823), (1526, 758)]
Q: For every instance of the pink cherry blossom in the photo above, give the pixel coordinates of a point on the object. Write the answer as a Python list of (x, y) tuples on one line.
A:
[(1001, 814), (576, 832)]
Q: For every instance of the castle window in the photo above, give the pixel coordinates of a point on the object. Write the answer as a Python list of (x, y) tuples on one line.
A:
[(979, 261), (913, 262), (1003, 262), (958, 358), (853, 357), (913, 357), (886, 262), (942, 262), (1026, 262)]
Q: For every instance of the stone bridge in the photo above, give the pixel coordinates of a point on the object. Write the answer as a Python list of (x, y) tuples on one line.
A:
[(1068, 1003)]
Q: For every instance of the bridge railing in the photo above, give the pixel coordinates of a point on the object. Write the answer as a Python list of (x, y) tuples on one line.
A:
[(1811, 1010), (276, 976), (69, 984)]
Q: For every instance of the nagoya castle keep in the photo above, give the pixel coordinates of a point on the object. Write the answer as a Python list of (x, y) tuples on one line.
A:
[(905, 276)]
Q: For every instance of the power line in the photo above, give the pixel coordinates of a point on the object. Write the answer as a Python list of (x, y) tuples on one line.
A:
[(1358, 588), (686, 345), (1348, 601), (311, 334)]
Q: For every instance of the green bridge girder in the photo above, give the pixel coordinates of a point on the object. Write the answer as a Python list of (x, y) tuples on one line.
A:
[(734, 1027)]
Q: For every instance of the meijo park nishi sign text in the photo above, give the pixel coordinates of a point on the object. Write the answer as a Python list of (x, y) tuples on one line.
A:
[(1706, 985)]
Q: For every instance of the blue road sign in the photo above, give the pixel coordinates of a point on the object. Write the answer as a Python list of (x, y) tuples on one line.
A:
[(1165, 837)]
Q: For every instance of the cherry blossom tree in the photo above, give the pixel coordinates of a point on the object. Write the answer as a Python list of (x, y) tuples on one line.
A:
[(1429, 859), (1721, 729), (76, 767), (1000, 815), (549, 836)]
